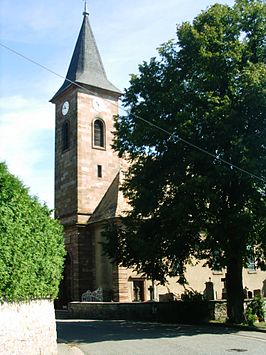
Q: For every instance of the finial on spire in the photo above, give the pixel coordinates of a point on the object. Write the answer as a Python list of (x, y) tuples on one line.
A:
[(85, 12)]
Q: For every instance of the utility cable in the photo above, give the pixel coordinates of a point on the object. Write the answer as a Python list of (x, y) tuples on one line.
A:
[(200, 149), (139, 117), (44, 67)]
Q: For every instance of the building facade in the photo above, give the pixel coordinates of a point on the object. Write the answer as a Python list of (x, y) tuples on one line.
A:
[(87, 178)]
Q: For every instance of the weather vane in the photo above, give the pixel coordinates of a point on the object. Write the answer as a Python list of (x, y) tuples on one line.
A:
[(85, 8)]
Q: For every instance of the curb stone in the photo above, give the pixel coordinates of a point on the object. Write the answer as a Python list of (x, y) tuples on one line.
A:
[(68, 349)]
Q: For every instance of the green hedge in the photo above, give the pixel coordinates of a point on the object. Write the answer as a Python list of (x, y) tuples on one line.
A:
[(31, 244)]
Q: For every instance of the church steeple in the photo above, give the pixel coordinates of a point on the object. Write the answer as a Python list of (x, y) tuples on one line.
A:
[(86, 66), (85, 164)]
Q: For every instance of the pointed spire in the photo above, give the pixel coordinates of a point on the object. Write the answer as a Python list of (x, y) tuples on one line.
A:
[(86, 66)]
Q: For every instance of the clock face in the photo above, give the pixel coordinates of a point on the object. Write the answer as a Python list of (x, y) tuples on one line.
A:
[(98, 105), (65, 108)]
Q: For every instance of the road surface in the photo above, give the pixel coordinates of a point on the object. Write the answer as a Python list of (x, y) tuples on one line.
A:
[(96, 337)]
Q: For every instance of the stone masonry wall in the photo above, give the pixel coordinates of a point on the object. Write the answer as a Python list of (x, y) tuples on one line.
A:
[(28, 328), (172, 312)]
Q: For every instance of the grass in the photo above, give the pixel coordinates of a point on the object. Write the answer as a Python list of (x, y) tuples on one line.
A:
[(261, 325)]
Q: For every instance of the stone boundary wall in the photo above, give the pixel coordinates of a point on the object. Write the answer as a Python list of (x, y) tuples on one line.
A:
[(219, 310), (177, 311), (182, 312), (28, 328)]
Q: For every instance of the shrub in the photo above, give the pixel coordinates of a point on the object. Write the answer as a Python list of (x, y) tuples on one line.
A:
[(254, 311), (192, 295), (31, 244), (194, 308)]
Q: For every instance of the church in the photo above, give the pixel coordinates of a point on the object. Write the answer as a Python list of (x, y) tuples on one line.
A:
[(87, 178)]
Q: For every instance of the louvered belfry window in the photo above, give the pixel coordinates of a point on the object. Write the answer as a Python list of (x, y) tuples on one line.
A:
[(98, 133)]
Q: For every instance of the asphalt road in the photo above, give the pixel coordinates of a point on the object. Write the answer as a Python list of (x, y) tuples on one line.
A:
[(95, 337)]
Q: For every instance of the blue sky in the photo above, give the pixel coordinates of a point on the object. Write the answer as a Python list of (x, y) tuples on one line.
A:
[(126, 32)]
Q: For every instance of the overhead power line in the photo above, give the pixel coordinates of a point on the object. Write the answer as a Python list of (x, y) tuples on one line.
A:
[(200, 149), (231, 165), (43, 67)]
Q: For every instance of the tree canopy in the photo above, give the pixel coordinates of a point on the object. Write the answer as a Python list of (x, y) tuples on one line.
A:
[(196, 181), (31, 244)]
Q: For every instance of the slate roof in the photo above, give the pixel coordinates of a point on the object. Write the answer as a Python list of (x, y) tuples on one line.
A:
[(86, 66), (113, 203)]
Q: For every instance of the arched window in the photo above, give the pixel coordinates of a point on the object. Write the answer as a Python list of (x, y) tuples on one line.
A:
[(98, 133), (65, 136)]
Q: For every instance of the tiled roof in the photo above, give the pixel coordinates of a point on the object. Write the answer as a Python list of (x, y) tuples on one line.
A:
[(113, 203), (86, 66)]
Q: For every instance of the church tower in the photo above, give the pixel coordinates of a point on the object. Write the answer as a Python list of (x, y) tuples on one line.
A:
[(85, 165)]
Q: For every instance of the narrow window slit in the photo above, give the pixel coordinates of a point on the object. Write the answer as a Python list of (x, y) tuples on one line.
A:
[(99, 171), (65, 136)]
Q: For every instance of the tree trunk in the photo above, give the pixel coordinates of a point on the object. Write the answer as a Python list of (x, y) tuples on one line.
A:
[(235, 293)]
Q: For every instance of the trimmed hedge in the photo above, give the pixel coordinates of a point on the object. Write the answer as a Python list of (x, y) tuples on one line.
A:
[(31, 244)]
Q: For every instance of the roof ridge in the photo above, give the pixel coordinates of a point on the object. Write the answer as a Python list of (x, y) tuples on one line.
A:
[(113, 203)]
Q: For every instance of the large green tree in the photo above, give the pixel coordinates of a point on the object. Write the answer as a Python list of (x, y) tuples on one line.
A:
[(31, 244), (196, 185)]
